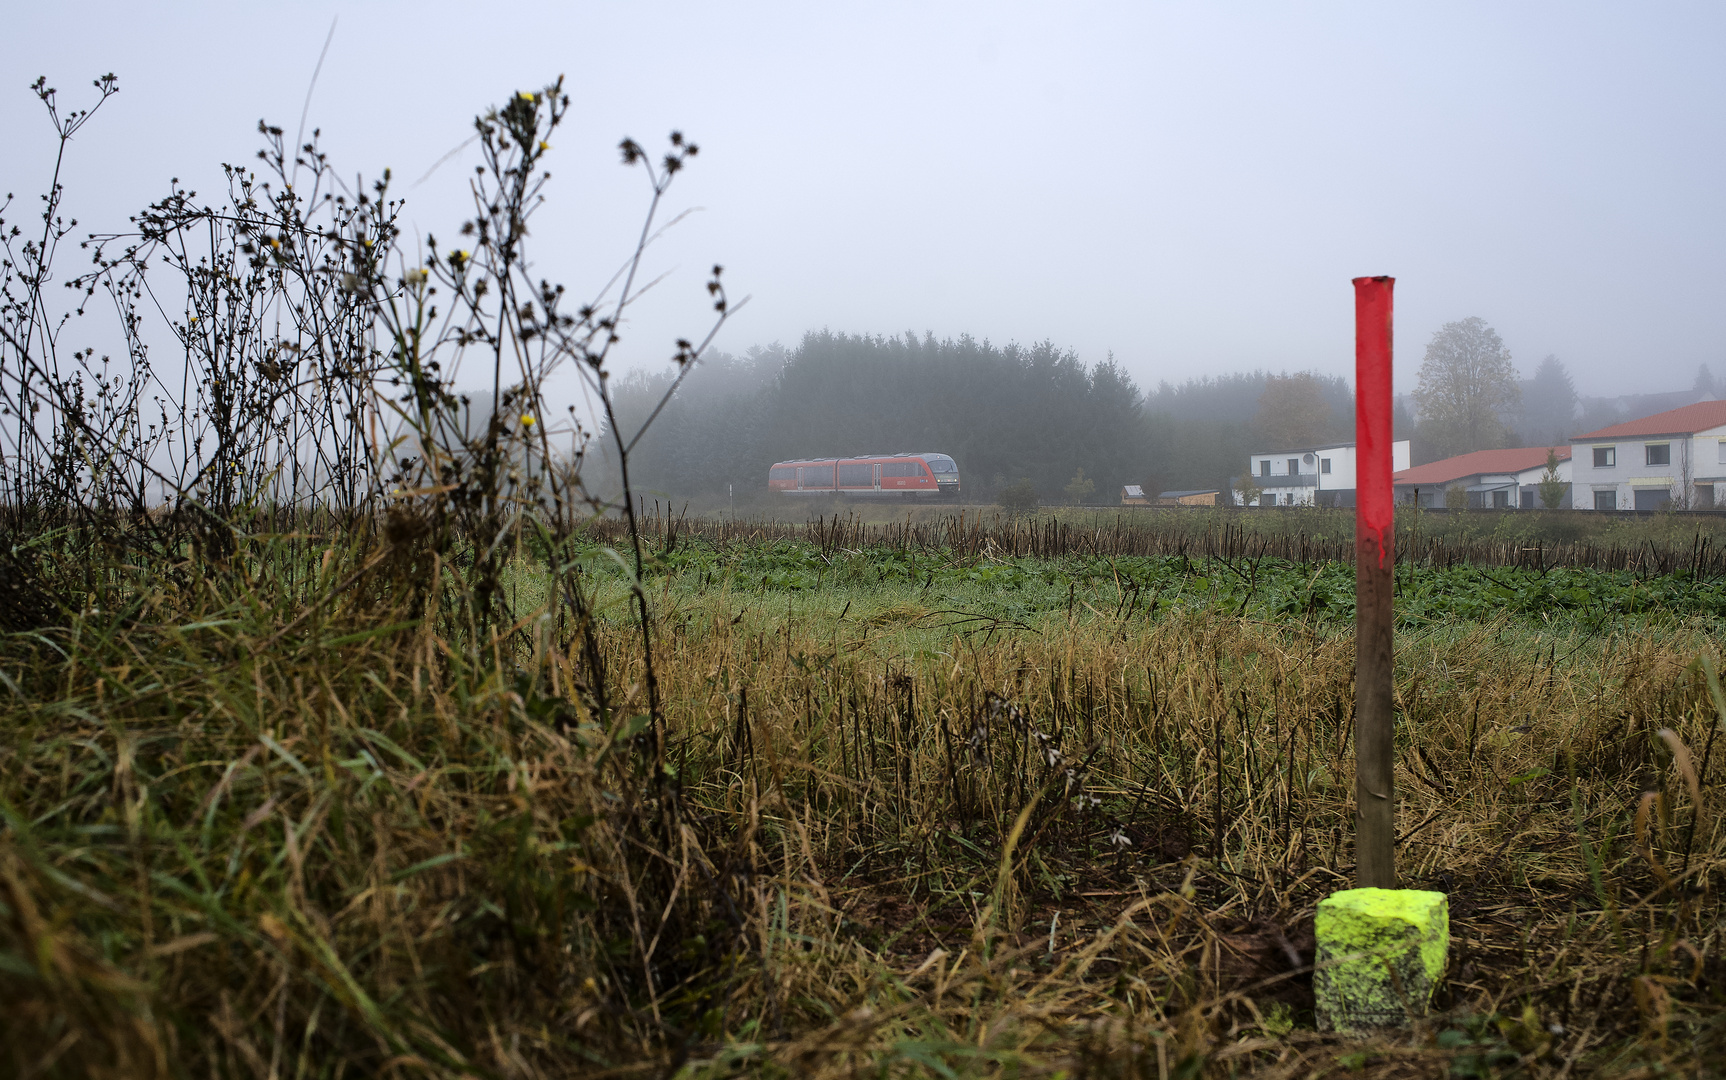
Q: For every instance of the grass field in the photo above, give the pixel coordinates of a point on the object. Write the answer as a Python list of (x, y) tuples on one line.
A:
[(1625, 529), (915, 811)]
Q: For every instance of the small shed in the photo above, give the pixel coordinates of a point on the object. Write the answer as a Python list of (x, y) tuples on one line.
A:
[(1133, 495), (1206, 497)]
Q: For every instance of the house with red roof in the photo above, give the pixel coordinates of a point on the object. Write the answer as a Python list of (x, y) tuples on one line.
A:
[(1487, 479), (1674, 458)]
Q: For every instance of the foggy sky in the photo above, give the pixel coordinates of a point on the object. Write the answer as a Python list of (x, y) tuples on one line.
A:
[(1189, 186)]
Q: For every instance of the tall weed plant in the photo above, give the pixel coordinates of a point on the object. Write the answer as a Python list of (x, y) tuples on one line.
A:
[(293, 496)]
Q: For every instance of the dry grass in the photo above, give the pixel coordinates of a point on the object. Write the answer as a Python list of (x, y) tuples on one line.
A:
[(249, 838)]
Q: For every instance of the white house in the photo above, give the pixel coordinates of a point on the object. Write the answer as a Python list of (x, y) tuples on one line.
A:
[(1312, 476), (1670, 458), (1491, 479)]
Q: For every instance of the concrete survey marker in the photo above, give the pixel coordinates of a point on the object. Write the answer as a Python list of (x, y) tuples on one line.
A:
[(1380, 955)]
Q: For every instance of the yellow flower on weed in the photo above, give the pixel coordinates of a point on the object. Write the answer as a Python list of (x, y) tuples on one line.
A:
[(543, 145), (524, 95), (527, 421)]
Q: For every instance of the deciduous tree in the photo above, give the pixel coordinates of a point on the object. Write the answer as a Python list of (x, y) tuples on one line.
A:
[(1466, 385), (1293, 412), (1080, 487)]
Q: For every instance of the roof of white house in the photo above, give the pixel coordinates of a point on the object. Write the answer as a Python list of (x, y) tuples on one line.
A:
[(1304, 449), (1685, 421), (1480, 463)]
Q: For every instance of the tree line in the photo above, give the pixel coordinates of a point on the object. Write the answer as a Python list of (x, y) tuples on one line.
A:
[(1007, 413), (1040, 420)]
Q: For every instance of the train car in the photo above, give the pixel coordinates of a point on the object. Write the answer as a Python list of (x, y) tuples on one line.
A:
[(869, 476)]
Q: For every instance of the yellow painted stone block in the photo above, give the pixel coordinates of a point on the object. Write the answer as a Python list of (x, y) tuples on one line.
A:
[(1380, 955)]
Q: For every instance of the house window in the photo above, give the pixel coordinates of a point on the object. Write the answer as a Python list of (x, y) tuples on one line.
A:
[(1324, 465), (1294, 466), (1265, 464), (1527, 498), (1704, 496), (1605, 500), (1268, 500), (1723, 451), (1605, 457), (1659, 453), (1501, 500)]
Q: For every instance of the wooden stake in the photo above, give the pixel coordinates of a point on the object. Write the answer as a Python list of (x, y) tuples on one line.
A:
[(1375, 793)]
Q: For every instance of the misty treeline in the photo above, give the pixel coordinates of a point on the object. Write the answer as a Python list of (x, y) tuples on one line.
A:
[(1470, 396), (1011, 412), (1006, 413)]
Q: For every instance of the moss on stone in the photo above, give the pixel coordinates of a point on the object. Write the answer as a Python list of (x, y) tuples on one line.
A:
[(1381, 953)]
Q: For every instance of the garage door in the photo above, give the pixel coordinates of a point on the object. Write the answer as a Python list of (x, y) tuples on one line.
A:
[(1653, 498)]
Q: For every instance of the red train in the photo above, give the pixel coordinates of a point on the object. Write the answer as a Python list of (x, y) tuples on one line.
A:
[(909, 476)]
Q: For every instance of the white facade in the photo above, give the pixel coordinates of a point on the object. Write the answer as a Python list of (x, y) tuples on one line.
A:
[(1313, 476), (1527, 486), (1648, 471)]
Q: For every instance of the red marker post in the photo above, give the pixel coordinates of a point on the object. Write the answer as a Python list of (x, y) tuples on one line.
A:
[(1374, 551), (1406, 932)]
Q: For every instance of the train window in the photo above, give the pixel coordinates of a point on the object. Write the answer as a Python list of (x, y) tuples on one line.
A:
[(901, 468), (783, 473), (856, 474), (815, 476), (941, 463)]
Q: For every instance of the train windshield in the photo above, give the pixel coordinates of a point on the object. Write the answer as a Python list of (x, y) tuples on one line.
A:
[(941, 463)]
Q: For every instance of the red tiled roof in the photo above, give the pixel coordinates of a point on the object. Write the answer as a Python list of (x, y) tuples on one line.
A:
[(1698, 417), (1481, 461)]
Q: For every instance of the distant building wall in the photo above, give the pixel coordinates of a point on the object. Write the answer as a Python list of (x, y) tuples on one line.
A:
[(1188, 498)]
